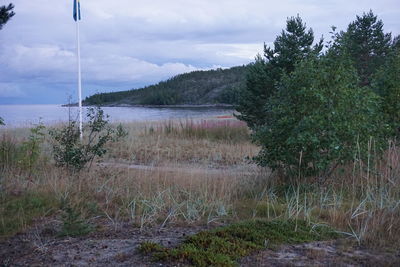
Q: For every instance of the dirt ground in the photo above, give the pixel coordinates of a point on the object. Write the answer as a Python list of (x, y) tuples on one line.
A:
[(116, 245)]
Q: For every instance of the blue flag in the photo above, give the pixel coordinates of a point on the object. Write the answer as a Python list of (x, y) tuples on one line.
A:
[(77, 10)]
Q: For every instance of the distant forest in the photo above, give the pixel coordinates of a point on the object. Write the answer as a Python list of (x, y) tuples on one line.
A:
[(220, 86)]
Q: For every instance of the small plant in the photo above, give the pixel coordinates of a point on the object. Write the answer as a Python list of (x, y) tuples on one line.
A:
[(25, 154), (69, 151), (150, 247), (73, 224), (120, 132), (2, 121), (31, 147)]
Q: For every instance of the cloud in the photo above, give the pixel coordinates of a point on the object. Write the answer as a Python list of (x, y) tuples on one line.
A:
[(10, 90), (127, 43)]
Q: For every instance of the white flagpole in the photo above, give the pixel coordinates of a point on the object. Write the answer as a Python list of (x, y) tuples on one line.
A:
[(78, 47)]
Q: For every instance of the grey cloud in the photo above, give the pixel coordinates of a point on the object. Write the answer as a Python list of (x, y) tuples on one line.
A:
[(127, 44)]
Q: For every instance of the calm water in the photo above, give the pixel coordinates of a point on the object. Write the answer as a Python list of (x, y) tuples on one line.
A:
[(27, 115)]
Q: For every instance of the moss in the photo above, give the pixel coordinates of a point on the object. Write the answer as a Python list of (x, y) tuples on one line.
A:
[(225, 245)]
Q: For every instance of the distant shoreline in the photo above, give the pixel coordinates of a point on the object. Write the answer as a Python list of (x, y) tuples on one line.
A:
[(221, 106)]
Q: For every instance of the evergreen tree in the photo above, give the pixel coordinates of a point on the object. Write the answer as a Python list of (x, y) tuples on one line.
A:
[(366, 44), (291, 46), (386, 83), (396, 42), (6, 13)]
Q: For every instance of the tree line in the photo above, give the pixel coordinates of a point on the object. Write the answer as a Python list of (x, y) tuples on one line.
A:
[(220, 86)]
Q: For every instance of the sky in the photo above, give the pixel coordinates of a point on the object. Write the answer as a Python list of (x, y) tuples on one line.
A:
[(128, 44)]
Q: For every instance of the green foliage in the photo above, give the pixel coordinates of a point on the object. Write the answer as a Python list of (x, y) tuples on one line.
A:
[(150, 247), (223, 246), (311, 113), (31, 148), (260, 85), (197, 87), (320, 118), (229, 95), (24, 155), (386, 83), (365, 43), (164, 96), (73, 224), (120, 132), (294, 44), (2, 121), (16, 213), (6, 13), (70, 152)]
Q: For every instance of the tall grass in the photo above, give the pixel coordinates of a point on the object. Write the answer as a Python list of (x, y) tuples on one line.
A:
[(361, 200), (231, 131), (201, 142)]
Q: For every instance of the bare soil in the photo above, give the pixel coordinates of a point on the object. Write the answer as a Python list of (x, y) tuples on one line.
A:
[(330, 253), (116, 245)]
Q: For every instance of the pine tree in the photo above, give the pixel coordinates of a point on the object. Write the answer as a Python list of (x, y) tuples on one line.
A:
[(291, 46), (366, 44), (6, 14)]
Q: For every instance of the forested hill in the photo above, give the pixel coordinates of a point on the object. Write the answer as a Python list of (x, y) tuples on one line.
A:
[(218, 86)]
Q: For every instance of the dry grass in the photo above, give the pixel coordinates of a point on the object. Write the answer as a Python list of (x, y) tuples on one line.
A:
[(206, 142), (209, 179)]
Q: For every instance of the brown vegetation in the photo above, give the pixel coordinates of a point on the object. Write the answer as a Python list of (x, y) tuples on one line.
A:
[(196, 175)]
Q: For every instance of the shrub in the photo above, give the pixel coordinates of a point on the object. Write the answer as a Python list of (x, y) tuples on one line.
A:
[(319, 119), (387, 85), (69, 151), (31, 147), (25, 154), (73, 224)]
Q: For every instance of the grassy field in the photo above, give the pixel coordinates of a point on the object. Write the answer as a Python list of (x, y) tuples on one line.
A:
[(192, 173)]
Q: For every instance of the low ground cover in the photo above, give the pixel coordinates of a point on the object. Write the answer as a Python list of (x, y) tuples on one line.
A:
[(223, 246)]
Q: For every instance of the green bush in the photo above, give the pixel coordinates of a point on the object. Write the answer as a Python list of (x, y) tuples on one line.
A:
[(386, 83), (73, 224), (69, 151), (31, 148), (319, 118), (24, 155)]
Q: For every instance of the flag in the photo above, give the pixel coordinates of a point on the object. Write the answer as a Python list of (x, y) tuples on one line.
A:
[(77, 10)]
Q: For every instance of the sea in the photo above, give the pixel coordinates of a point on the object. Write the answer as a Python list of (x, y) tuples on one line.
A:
[(30, 115)]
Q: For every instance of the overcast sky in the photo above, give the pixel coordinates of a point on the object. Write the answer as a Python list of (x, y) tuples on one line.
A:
[(128, 43)]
